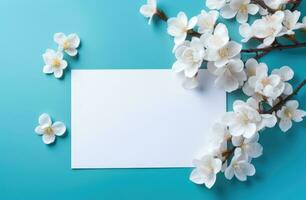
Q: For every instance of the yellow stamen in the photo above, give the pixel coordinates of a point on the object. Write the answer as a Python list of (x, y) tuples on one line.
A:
[(56, 63)]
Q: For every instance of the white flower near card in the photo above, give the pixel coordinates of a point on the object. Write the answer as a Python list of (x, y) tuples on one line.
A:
[(288, 113), (48, 130), (179, 26), (207, 21), (239, 167), (230, 76), (149, 10), (189, 57), (68, 44), (239, 8), (218, 39), (54, 63), (206, 169), (243, 120)]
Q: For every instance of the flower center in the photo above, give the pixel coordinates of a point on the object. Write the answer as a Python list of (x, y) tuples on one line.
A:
[(66, 45), (243, 9), (288, 113), (223, 52), (56, 63), (265, 82), (49, 130), (244, 118), (271, 31)]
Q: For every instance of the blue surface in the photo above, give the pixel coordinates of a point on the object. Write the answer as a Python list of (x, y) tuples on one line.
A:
[(113, 35)]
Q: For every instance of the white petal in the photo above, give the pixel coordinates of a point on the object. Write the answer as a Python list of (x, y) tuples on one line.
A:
[(242, 17), (288, 89), (58, 73), (147, 10), (74, 40), (190, 83), (181, 16), (285, 72), (250, 130), (254, 150), (59, 128), (245, 31), (47, 69), (71, 52), (298, 115), (229, 173), (192, 22), (293, 104), (269, 40), (234, 48), (253, 9), (44, 120), (59, 38), (210, 181), (285, 124), (48, 138), (39, 130), (191, 71), (178, 66), (197, 177), (228, 13)]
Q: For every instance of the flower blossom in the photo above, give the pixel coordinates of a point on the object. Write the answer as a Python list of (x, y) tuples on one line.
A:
[(149, 10), (275, 4), (239, 167), (215, 4), (68, 44), (207, 20), (289, 113), (291, 23), (179, 26), (249, 146), (48, 130), (206, 169), (230, 76), (239, 8), (54, 63), (189, 57)]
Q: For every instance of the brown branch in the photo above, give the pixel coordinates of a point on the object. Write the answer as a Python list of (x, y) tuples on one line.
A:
[(282, 102), (263, 5), (161, 14), (271, 48)]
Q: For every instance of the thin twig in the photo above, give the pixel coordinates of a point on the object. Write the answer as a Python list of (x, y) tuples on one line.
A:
[(161, 14), (283, 101), (278, 46)]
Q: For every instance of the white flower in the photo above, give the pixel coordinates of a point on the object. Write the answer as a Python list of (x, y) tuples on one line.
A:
[(215, 4), (267, 28), (54, 63), (239, 8), (249, 146), (240, 167), (48, 130), (275, 4), (189, 56), (179, 26), (207, 21), (206, 169), (69, 43), (219, 38), (289, 113), (269, 86), (243, 120), (230, 76), (286, 74), (220, 135), (149, 10), (291, 23), (223, 55)]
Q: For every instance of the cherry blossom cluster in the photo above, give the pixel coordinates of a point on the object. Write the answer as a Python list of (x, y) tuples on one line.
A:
[(202, 41), (54, 60)]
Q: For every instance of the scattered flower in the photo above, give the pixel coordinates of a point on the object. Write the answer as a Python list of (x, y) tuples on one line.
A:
[(69, 43), (230, 76), (240, 167), (206, 169), (289, 113), (239, 8), (48, 130), (54, 63), (207, 21), (149, 10), (179, 26), (189, 57)]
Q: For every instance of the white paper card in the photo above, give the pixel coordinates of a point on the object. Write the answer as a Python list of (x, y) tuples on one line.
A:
[(140, 118)]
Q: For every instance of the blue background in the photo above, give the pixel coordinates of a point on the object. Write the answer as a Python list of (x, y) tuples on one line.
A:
[(113, 35)]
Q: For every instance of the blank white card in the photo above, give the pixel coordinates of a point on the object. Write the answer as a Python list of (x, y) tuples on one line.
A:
[(140, 118)]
